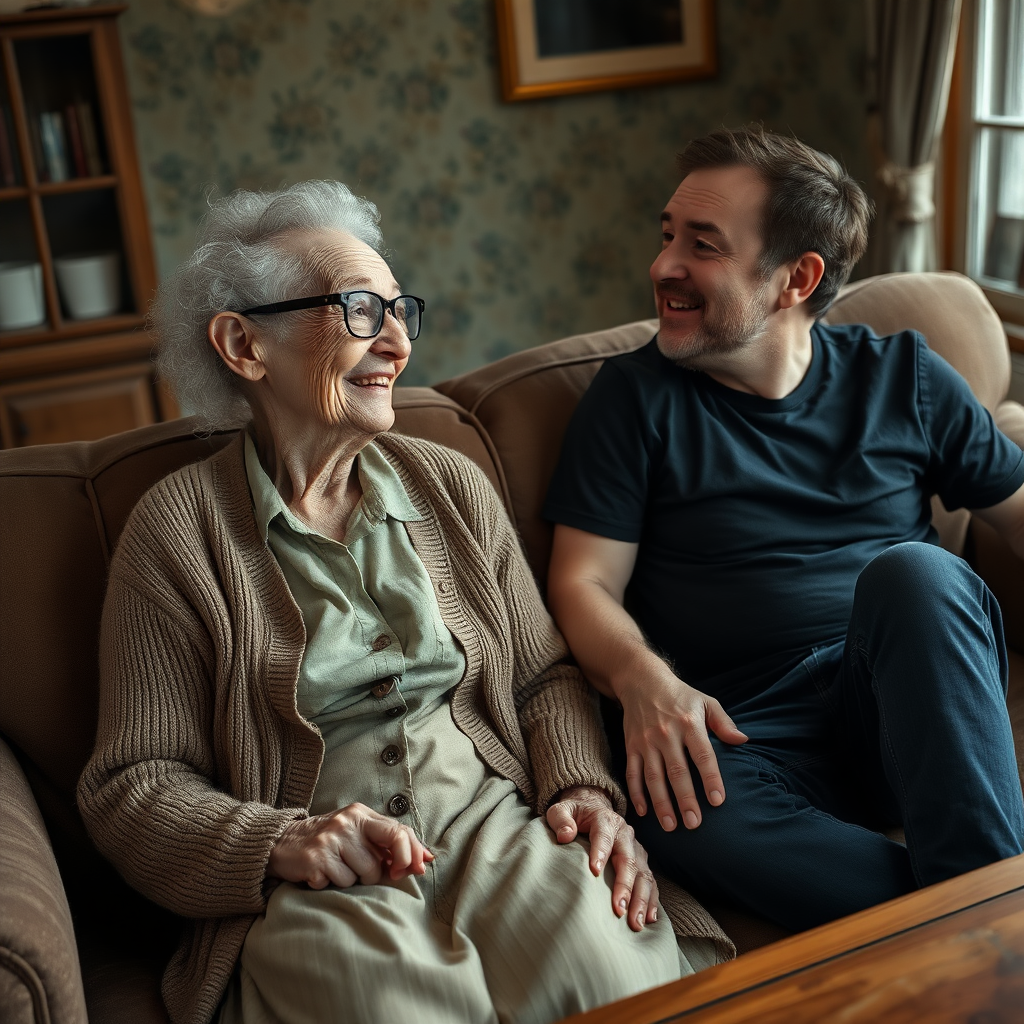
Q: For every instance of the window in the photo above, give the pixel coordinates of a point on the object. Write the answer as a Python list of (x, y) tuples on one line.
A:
[(988, 160)]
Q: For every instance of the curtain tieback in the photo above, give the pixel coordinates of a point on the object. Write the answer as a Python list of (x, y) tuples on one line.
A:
[(910, 191)]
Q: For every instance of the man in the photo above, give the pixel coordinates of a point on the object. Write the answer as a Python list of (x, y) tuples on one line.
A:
[(744, 561)]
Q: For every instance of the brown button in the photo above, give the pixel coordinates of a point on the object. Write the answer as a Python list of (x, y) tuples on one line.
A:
[(391, 755), (398, 805), (381, 642), (395, 711), (383, 688), (443, 586)]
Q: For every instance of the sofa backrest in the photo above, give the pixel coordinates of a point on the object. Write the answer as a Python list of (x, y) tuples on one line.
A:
[(62, 507)]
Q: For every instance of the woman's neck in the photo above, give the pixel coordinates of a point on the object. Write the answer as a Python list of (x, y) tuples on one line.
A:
[(314, 470)]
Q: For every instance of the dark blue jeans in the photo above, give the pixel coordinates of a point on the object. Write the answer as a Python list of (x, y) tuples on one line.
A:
[(904, 722)]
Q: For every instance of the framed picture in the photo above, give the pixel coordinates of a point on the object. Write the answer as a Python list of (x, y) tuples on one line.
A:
[(554, 47)]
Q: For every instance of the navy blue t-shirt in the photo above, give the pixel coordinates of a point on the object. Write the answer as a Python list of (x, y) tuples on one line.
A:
[(755, 516)]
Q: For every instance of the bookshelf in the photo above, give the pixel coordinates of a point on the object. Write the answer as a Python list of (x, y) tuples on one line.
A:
[(73, 350)]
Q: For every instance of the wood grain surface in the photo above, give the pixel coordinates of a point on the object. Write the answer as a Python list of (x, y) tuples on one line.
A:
[(950, 952)]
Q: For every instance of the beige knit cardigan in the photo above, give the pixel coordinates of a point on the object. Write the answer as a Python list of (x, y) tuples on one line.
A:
[(201, 757)]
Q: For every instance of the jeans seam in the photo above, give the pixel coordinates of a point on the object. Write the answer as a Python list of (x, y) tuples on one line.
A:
[(805, 762), (995, 644), (859, 647)]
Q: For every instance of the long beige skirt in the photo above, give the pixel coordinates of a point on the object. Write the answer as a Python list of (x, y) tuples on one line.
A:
[(506, 925)]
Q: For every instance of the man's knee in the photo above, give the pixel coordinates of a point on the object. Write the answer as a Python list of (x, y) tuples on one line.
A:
[(921, 600), (915, 575), (912, 564)]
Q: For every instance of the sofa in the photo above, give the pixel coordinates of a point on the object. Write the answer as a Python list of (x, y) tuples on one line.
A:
[(75, 941)]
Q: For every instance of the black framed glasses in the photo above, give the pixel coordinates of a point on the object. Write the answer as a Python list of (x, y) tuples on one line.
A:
[(364, 311)]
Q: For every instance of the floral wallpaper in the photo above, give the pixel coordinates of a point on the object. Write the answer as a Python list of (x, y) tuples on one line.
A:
[(518, 223)]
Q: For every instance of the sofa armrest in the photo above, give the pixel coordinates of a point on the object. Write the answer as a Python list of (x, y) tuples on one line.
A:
[(40, 979), (995, 562), (991, 557)]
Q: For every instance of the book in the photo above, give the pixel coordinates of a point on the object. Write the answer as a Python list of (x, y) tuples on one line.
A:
[(8, 176), (51, 130), (90, 139), (36, 143), (75, 142)]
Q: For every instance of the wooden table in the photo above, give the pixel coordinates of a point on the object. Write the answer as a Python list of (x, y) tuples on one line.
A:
[(951, 952)]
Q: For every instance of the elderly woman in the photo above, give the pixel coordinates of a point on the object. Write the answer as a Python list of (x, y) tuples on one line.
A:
[(337, 727)]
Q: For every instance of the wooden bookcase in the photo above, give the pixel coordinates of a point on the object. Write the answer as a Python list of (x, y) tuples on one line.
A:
[(73, 379)]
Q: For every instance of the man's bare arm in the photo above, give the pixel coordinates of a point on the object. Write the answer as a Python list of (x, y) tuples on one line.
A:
[(664, 719), (1007, 519)]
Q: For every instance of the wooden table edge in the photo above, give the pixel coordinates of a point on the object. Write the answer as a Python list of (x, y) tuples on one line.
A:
[(811, 947)]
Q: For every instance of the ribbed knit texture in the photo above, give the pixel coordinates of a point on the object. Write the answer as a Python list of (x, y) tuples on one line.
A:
[(201, 758)]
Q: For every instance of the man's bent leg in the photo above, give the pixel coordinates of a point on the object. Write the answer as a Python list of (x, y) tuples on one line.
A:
[(768, 851), (923, 691)]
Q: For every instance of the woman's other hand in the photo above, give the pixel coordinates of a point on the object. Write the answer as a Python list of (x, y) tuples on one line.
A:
[(588, 809), (355, 844)]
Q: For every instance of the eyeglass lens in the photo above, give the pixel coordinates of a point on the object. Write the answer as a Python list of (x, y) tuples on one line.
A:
[(364, 314)]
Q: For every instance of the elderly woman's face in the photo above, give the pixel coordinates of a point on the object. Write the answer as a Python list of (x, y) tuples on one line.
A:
[(320, 370)]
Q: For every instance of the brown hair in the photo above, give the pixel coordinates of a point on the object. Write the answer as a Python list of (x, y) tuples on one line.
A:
[(813, 205)]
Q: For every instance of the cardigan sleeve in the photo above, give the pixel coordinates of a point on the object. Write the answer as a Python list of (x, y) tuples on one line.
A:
[(147, 794), (556, 708)]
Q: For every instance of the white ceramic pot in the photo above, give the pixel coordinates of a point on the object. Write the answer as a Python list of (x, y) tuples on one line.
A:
[(90, 284), (21, 295)]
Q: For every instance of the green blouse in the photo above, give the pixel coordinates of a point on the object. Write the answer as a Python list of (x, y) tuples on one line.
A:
[(368, 605)]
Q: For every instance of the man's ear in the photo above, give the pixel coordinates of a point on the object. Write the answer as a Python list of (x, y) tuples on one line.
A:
[(234, 339), (804, 275)]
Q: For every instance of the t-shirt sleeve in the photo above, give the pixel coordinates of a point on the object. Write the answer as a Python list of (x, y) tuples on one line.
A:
[(974, 464), (600, 482)]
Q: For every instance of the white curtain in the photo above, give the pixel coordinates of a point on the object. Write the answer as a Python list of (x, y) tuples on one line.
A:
[(911, 44)]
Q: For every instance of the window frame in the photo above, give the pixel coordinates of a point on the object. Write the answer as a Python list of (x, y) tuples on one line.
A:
[(960, 167)]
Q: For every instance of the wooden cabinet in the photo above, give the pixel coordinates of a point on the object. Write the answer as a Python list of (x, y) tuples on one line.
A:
[(73, 226)]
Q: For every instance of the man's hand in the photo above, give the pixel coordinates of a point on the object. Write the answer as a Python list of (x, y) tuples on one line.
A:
[(355, 844), (589, 810), (663, 720)]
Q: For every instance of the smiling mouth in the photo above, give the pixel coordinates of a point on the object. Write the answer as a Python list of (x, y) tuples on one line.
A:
[(683, 304), (372, 381)]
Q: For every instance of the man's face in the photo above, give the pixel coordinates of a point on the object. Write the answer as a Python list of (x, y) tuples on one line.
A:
[(711, 297)]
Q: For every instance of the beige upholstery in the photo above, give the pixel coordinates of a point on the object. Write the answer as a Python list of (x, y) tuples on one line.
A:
[(63, 506), (39, 974)]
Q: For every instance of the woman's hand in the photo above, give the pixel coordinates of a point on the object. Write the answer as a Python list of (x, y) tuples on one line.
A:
[(589, 809), (355, 844)]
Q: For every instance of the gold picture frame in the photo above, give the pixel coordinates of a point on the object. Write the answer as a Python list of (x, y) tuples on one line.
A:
[(527, 73)]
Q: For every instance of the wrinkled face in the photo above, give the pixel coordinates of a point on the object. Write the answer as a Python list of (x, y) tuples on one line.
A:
[(710, 294), (320, 372)]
